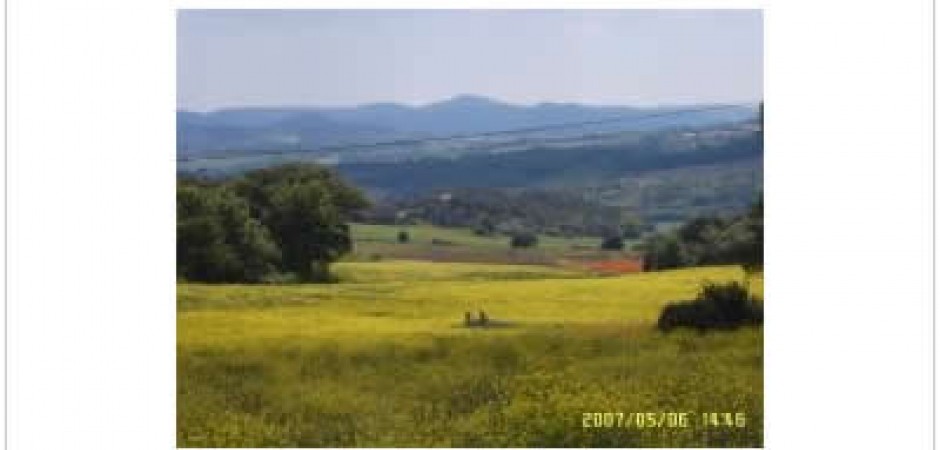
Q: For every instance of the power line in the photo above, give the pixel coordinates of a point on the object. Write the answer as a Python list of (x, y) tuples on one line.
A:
[(454, 137)]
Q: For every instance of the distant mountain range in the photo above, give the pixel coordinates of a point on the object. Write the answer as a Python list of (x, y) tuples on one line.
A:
[(248, 130), (661, 164)]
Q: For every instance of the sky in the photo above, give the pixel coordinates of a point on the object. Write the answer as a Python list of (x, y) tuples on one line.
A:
[(231, 58)]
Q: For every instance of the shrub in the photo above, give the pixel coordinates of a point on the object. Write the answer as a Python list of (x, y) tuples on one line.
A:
[(717, 306), (523, 240), (403, 237), (612, 243)]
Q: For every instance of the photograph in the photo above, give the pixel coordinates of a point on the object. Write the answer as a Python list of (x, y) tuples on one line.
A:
[(468, 224), (469, 228)]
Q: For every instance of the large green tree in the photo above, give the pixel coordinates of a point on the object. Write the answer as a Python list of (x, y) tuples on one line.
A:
[(711, 240), (283, 220), (306, 207), (217, 240)]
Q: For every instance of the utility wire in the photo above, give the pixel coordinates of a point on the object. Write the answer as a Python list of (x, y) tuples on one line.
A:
[(458, 136)]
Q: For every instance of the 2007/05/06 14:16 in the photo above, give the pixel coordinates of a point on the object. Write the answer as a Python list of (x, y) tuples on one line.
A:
[(662, 419)]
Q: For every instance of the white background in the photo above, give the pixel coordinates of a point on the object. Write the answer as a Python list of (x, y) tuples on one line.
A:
[(90, 219)]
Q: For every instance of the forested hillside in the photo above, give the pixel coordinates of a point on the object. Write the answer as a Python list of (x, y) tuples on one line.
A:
[(590, 183), (544, 167)]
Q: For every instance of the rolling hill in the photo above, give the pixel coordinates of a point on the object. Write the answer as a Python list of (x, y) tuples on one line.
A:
[(251, 130)]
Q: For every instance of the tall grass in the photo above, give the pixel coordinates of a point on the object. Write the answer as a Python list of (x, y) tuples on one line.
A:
[(389, 363)]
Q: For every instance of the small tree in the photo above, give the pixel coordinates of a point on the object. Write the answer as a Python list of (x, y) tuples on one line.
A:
[(612, 243), (403, 237)]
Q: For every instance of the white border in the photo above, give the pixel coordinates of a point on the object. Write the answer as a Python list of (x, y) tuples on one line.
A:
[(849, 211)]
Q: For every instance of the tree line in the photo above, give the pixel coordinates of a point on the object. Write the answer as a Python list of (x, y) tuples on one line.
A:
[(541, 166), (286, 223), (711, 240), (490, 211)]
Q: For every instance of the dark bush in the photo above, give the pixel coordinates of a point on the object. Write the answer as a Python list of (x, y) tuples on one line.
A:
[(717, 306), (523, 240), (612, 243), (403, 237)]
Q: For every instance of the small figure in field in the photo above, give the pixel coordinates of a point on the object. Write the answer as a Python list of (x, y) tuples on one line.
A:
[(481, 320)]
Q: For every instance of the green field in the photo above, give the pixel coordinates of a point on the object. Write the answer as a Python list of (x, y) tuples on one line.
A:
[(374, 242), (423, 234), (383, 358)]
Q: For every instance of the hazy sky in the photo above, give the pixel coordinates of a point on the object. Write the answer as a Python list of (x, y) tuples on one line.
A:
[(335, 57)]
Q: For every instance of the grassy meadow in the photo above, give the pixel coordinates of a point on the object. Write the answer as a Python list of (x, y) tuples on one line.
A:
[(455, 244), (383, 358), (425, 233)]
